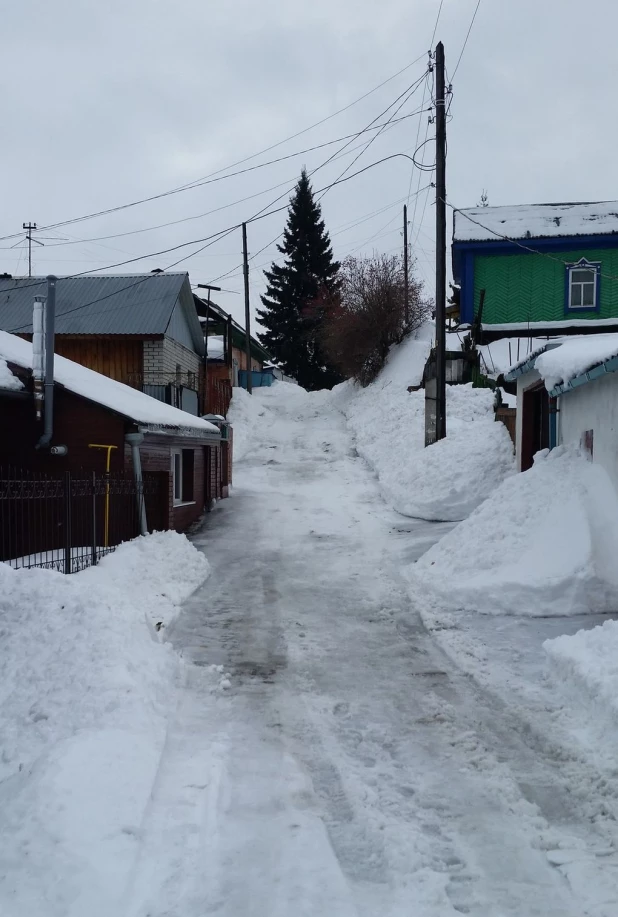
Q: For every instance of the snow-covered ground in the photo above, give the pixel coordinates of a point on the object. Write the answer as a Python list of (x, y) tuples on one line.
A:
[(86, 690), (331, 732), (351, 767)]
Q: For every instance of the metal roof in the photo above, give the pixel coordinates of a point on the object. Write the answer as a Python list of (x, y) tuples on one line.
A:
[(138, 304)]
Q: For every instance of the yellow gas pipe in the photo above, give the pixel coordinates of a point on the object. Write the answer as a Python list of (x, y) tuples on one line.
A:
[(107, 464)]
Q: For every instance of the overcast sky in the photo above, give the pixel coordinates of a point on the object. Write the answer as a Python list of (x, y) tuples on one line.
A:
[(103, 104)]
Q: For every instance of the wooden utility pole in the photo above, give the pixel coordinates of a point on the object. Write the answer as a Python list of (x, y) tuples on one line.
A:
[(210, 288), (440, 244), (245, 267), (406, 287), (29, 227), (229, 356)]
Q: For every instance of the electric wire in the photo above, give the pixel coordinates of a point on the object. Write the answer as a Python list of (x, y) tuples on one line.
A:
[(466, 39), (196, 182)]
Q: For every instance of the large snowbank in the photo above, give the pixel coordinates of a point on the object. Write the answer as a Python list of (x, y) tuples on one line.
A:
[(544, 543), (85, 692), (112, 394), (446, 481)]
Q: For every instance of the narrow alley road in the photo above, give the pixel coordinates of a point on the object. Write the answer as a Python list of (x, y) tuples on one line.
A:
[(348, 769)]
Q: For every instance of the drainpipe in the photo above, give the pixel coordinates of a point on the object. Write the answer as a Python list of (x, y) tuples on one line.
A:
[(135, 440), (50, 316)]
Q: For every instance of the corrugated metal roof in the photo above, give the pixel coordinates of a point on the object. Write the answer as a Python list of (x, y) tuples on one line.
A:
[(112, 304)]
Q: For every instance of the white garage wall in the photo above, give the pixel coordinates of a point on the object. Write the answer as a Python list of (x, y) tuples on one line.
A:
[(593, 406)]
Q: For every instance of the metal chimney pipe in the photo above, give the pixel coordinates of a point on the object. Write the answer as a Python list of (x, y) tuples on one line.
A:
[(38, 353), (50, 327)]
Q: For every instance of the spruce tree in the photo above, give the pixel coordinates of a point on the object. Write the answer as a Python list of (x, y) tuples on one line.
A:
[(307, 277)]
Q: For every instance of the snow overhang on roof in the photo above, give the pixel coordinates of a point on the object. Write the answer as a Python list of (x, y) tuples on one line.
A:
[(568, 364), (122, 399)]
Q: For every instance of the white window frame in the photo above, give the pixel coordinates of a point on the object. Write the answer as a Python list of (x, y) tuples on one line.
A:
[(177, 493), (583, 265)]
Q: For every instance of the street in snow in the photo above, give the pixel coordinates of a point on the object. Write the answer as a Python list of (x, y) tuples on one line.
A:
[(351, 767)]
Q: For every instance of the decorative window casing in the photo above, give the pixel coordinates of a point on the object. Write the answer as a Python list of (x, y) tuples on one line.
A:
[(183, 468), (582, 286)]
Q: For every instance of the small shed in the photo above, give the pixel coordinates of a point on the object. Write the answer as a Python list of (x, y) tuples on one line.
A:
[(567, 394)]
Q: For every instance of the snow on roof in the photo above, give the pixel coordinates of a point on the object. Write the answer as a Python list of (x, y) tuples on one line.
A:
[(529, 358), (7, 379), (535, 221), (98, 388), (574, 357)]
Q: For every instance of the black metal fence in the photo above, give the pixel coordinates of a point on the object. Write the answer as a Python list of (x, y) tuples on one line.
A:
[(69, 521)]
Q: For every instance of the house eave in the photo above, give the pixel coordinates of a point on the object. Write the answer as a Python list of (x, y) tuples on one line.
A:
[(207, 436), (595, 372)]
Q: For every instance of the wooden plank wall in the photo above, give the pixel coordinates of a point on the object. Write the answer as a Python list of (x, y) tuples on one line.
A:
[(118, 357)]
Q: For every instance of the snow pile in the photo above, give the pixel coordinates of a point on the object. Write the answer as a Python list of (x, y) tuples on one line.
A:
[(85, 693), (587, 665), (575, 356), (544, 543), (112, 394), (255, 418), (7, 379), (446, 481)]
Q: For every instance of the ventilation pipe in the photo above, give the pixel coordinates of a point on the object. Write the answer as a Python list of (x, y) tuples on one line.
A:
[(50, 317), (135, 440), (38, 353)]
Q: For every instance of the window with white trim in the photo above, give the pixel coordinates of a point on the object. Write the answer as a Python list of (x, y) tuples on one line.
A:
[(583, 285), (183, 467)]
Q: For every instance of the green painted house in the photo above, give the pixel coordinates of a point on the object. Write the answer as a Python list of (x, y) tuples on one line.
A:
[(545, 268)]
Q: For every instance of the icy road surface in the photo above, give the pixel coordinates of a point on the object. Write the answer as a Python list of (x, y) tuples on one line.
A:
[(349, 769)]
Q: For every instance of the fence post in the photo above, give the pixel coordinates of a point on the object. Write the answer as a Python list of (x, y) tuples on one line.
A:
[(67, 522), (94, 519)]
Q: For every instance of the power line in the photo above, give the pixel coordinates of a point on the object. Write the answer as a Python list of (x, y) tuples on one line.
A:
[(418, 130), (407, 93), (466, 40), (209, 239), (197, 182), (435, 28), (375, 136), (232, 175)]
